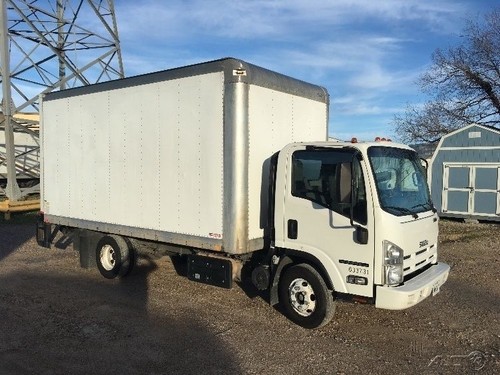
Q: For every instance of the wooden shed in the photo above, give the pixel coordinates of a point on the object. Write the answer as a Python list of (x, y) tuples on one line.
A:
[(465, 173)]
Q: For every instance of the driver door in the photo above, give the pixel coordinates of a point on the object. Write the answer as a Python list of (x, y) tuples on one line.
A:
[(325, 187)]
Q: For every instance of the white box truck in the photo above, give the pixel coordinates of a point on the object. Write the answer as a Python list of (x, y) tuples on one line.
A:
[(226, 165)]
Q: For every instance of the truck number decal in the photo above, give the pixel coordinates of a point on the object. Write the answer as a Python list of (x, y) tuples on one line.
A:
[(358, 271)]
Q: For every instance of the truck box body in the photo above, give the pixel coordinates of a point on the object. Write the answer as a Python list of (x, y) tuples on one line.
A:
[(178, 156)]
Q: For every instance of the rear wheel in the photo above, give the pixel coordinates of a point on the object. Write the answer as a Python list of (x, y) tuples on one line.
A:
[(113, 257), (305, 298)]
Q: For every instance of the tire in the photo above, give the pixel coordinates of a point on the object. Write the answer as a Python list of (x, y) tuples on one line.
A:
[(304, 296), (114, 257)]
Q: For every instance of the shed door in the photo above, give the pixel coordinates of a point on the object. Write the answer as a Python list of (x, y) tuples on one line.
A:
[(471, 189)]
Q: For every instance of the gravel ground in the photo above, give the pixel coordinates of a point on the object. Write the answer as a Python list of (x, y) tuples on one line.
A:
[(57, 318)]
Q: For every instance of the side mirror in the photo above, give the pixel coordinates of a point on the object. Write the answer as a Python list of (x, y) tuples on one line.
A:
[(425, 164), (361, 235)]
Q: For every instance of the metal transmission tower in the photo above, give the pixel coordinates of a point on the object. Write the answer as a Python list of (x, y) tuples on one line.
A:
[(47, 45)]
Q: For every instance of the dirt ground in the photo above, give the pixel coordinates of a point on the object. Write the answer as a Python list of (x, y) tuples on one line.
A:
[(56, 318)]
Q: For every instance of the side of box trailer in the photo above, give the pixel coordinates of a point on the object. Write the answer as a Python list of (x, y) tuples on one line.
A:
[(178, 156)]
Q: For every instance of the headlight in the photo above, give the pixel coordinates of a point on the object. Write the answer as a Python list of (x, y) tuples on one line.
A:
[(394, 275), (393, 263)]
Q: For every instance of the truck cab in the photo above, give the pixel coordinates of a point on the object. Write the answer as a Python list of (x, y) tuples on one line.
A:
[(361, 216)]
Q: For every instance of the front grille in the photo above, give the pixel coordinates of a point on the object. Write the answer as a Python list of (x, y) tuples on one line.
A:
[(416, 273), (419, 259), (421, 252), (420, 263)]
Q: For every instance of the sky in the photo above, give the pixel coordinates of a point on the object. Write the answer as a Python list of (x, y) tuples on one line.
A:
[(368, 54)]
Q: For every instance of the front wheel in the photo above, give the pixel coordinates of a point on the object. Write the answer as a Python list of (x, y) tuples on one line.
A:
[(114, 257), (305, 297)]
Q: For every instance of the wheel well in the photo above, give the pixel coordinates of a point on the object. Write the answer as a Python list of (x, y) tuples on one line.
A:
[(299, 257), (290, 258), (85, 242)]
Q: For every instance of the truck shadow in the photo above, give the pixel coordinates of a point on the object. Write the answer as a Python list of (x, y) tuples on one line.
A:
[(15, 232), (83, 325)]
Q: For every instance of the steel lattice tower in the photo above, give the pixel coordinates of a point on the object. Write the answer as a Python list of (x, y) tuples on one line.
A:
[(47, 45)]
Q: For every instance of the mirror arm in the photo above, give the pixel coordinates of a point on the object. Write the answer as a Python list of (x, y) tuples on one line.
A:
[(361, 232), (351, 206)]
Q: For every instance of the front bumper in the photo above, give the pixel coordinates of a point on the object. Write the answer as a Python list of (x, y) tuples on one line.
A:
[(413, 291)]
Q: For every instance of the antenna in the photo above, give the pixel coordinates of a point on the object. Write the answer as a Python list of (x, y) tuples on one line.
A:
[(45, 46)]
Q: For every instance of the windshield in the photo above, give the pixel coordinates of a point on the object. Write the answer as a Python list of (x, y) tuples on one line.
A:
[(400, 180)]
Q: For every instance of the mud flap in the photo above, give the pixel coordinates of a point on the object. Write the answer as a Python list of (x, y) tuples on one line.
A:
[(43, 232), (273, 295)]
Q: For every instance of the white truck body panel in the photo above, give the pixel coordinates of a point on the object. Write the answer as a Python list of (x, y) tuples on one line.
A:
[(283, 119), (113, 161), (177, 156)]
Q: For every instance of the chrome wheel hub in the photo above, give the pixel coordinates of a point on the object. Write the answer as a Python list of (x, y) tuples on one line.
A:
[(302, 297), (107, 256)]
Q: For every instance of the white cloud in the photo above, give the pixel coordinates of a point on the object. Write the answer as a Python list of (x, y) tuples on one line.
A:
[(372, 62), (374, 76), (278, 20), (359, 49)]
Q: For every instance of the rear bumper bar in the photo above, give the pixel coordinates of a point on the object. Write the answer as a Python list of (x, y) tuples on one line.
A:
[(43, 232)]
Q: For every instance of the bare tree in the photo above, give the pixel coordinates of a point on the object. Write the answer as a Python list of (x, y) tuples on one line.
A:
[(463, 84)]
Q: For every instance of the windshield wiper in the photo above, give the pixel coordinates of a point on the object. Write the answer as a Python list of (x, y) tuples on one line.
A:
[(403, 210), (426, 206)]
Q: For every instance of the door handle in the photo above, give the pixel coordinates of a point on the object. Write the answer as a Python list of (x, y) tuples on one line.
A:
[(293, 229)]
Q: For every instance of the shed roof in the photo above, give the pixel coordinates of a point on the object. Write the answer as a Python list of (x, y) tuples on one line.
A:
[(485, 127), (470, 136)]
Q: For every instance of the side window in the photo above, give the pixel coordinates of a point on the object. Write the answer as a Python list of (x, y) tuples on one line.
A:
[(307, 182), (324, 177)]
